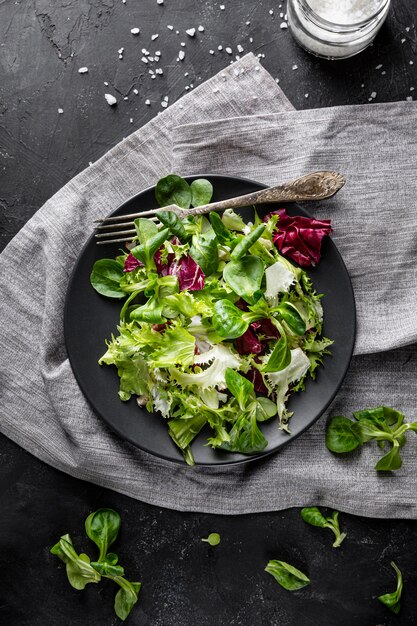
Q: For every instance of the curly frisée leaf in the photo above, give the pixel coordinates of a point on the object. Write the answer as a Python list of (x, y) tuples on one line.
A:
[(176, 349), (220, 358)]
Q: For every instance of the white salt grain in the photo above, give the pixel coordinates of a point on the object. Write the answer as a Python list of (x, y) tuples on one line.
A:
[(144, 60), (190, 32), (239, 48), (211, 51), (378, 67), (164, 104), (222, 7), (135, 91), (220, 48), (294, 67), (411, 62), (60, 111), (181, 55), (170, 27), (201, 29), (111, 100), (147, 102), (345, 12), (131, 120), (121, 50), (83, 70), (154, 36), (373, 94), (283, 25), (135, 31), (229, 50), (159, 1)]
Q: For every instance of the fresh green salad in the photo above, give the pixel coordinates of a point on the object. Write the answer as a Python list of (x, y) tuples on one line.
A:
[(218, 327)]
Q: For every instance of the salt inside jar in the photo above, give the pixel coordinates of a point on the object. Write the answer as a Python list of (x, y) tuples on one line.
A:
[(336, 29)]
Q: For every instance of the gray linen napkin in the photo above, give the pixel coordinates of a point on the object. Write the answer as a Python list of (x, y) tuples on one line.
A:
[(42, 408)]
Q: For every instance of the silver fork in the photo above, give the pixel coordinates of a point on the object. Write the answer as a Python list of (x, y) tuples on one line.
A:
[(314, 186)]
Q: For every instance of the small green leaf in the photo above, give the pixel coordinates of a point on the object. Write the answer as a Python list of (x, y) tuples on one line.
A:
[(247, 242), (146, 250), (244, 276), (292, 318), (204, 252), (287, 576), (201, 192), (412, 426), (240, 387), (106, 569), (280, 357), (223, 234), (106, 277), (265, 409), (102, 527), (145, 229), (312, 515), (79, 570), (393, 600), (213, 539), (173, 222), (126, 597), (340, 436), (173, 190), (391, 461), (245, 436), (227, 320)]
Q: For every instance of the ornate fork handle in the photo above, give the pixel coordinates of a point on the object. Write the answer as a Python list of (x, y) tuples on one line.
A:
[(315, 186)]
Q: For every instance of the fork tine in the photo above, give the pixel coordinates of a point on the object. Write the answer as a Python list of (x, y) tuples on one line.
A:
[(100, 243), (120, 232), (116, 218)]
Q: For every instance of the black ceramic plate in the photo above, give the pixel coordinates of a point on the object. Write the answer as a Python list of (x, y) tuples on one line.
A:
[(90, 318)]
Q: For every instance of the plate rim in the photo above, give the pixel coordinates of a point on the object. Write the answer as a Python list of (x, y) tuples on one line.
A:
[(232, 462)]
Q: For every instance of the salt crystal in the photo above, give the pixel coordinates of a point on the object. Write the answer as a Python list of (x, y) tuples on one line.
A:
[(186, 87), (294, 67), (183, 44), (216, 90), (135, 31), (111, 100), (271, 11), (164, 104), (383, 73), (147, 102), (211, 51), (283, 25), (60, 111), (407, 29), (409, 98), (151, 59), (201, 29), (166, 98), (378, 67), (121, 50), (157, 53), (154, 36), (248, 23), (257, 68), (306, 95), (236, 72), (135, 91), (220, 48), (239, 48), (190, 32), (170, 27), (159, 71), (159, 1), (229, 50), (411, 62), (222, 7), (403, 40), (411, 88), (125, 98), (83, 70), (186, 74), (131, 120), (373, 94), (144, 60), (181, 55), (251, 39)]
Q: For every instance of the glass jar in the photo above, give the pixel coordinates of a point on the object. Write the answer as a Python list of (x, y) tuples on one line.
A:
[(336, 29)]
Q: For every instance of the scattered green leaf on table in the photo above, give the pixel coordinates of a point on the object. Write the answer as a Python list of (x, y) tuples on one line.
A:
[(312, 515), (287, 576), (213, 539), (393, 600), (380, 424)]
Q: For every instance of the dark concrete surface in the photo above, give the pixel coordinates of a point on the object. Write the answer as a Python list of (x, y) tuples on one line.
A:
[(43, 43)]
